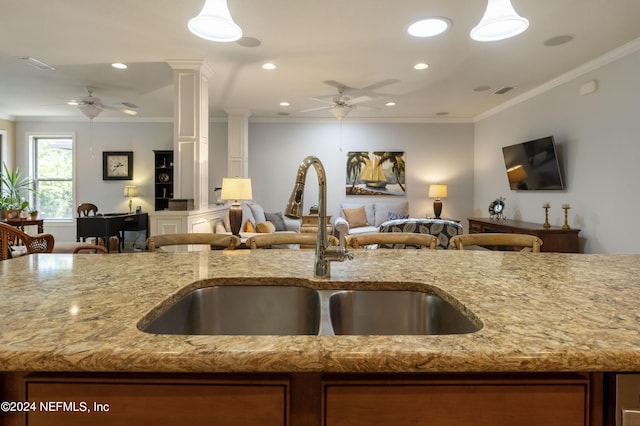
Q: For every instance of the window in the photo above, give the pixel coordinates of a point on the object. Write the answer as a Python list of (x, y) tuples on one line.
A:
[(53, 176)]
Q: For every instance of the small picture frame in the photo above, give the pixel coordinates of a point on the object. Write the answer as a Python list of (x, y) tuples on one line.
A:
[(117, 165)]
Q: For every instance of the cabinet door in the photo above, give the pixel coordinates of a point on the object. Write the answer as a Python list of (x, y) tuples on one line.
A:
[(156, 404), (457, 405)]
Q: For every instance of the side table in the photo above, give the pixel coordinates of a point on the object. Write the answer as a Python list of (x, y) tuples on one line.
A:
[(22, 222)]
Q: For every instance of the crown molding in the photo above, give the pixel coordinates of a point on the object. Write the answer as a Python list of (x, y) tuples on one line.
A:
[(599, 62)]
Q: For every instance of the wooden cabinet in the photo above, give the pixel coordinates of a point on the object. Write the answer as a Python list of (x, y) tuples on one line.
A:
[(554, 239), (451, 402), (163, 180), (305, 399), (310, 224), (165, 401)]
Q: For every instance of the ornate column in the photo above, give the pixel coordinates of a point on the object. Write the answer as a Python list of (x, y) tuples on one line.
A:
[(238, 143)]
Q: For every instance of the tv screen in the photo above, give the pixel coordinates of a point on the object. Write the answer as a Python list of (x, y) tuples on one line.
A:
[(533, 165)]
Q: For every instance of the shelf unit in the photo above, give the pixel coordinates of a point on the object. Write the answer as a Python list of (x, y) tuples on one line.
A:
[(163, 178)]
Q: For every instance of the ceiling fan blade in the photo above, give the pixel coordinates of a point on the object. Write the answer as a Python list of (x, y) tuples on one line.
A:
[(359, 99), (315, 109), (326, 99), (129, 111), (341, 87), (380, 84)]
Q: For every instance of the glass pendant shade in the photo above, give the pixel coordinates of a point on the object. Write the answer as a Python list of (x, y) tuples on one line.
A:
[(500, 21), (214, 23)]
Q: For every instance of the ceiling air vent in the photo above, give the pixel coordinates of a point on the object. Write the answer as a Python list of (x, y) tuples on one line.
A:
[(503, 90)]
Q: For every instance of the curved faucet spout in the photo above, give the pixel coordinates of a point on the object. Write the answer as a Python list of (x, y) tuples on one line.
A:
[(324, 253)]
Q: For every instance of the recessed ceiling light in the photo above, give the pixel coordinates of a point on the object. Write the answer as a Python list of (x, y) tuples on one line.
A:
[(441, 113), (481, 88), (73, 102), (119, 65), (421, 66), (390, 104), (130, 111), (429, 27), (269, 66), (285, 104)]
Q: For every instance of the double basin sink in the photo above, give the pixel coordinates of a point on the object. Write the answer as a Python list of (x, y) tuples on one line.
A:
[(296, 310)]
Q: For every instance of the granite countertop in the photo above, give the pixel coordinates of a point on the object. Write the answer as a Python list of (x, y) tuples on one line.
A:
[(542, 312)]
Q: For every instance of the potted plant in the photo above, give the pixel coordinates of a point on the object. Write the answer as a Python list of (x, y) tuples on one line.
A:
[(33, 213), (12, 185)]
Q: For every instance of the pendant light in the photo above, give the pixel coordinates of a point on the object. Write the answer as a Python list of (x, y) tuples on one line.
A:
[(214, 23), (500, 21)]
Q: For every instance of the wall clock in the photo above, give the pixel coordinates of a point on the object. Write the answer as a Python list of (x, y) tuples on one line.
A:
[(117, 165)]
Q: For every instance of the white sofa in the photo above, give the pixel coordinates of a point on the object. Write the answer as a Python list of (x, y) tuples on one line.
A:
[(377, 212), (254, 213)]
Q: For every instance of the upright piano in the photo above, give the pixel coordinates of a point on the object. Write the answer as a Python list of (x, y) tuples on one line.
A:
[(111, 225)]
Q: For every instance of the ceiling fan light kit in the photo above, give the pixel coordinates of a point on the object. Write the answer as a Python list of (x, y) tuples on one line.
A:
[(500, 21), (90, 110), (214, 23), (340, 111)]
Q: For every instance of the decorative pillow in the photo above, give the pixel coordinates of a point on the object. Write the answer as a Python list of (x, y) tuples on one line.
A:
[(248, 227), (356, 217), (394, 216), (277, 219), (265, 227), (257, 211)]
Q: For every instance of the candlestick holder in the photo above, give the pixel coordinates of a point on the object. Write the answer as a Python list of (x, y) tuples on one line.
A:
[(546, 224), (566, 217)]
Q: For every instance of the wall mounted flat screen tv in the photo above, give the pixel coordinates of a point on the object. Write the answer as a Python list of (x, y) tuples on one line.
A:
[(533, 165)]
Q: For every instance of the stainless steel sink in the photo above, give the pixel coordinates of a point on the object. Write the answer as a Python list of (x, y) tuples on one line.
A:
[(241, 310), (297, 310), (380, 312)]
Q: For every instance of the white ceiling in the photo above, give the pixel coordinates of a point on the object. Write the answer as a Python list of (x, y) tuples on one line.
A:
[(355, 42)]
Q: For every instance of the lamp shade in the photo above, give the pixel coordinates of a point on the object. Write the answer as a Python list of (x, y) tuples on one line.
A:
[(500, 21), (214, 23), (130, 191), (437, 191), (236, 189)]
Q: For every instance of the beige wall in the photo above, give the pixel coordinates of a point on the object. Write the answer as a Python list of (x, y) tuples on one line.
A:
[(10, 144)]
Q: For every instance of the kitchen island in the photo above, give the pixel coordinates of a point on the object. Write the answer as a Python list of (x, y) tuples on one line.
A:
[(547, 319)]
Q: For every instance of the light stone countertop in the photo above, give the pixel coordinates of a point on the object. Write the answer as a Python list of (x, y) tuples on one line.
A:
[(540, 312)]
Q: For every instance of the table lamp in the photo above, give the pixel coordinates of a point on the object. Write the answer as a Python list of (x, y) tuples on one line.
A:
[(130, 191), (236, 189), (437, 191)]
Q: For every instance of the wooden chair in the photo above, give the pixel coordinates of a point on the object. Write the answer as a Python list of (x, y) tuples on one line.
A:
[(214, 241), (397, 239), (294, 239), (85, 209), (528, 242), (89, 248), (12, 236)]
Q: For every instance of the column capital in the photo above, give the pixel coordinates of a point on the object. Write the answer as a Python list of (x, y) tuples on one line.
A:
[(191, 65)]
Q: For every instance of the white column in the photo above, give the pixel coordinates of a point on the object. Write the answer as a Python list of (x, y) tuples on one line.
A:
[(191, 130), (238, 143)]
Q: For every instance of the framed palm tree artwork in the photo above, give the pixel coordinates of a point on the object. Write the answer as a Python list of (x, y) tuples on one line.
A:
[(375, 173)]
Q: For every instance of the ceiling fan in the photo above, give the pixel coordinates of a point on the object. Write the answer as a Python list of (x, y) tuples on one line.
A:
[(349, 98), (91, 106)]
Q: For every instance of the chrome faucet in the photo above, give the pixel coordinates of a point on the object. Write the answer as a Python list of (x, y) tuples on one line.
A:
[(324, 253)]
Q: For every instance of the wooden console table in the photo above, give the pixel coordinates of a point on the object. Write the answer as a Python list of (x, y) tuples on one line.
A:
[(22, 222), (554, 239)]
